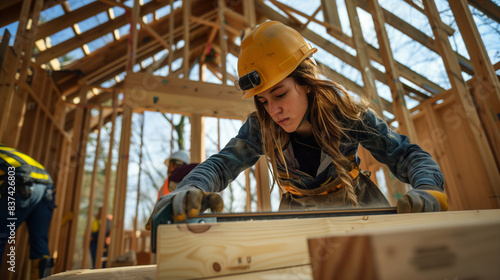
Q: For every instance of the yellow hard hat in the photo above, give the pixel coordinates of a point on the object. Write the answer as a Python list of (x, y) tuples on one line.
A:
[(268, 55)]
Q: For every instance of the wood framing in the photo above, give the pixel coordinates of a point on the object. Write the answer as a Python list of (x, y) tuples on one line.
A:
[(460, 88)]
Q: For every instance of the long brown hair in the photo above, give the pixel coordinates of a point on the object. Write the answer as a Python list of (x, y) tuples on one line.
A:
[(325, 98)]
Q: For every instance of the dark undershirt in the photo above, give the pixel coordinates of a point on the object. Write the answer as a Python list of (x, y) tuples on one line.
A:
[(307, 152)]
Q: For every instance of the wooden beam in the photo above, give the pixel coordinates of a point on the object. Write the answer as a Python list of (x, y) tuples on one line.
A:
[(92, 34), (331, 14), (90, 212), (101, 236), (174, 95), (460, 89), (487, 7), (117, 224), (398, 99), (370, 89)]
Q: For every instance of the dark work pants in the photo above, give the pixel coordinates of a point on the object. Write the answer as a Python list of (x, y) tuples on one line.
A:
[(36, 212)]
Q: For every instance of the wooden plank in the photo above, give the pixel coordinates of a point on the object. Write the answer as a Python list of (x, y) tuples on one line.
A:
[(127, 272), (469, 250), (487, 87), (215, 249), (460, 89), (392, 73)]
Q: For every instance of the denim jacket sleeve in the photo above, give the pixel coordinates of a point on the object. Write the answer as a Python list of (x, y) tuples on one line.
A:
[(408, 162), (241, 152)]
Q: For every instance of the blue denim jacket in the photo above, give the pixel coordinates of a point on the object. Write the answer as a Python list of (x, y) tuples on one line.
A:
[(408, 162)]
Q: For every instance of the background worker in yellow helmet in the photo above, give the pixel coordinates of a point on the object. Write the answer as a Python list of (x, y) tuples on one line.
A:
[(27, 195), (310, 129)]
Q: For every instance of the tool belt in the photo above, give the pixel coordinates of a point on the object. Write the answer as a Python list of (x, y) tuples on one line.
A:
[(328, 196)]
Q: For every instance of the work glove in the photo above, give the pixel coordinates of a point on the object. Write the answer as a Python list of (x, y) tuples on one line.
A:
[(187, 202), (423, 199)]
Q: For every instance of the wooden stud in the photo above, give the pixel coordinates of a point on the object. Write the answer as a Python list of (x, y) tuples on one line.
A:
[(263, 189), (392, 73), (197, 137), (107, 183), (331, 14), (249, 12), (223, 40), (186, 7), (488, 7), (90, 212), (115, 248)]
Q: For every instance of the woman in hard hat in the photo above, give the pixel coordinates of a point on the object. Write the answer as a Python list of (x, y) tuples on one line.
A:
[(309, 128)]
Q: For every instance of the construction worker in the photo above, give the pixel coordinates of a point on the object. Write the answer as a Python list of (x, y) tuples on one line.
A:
[(94, 236), (27, 194), (309, 128), (178, 165)]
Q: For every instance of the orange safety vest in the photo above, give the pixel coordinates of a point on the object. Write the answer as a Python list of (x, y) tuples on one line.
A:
[(163, 190)]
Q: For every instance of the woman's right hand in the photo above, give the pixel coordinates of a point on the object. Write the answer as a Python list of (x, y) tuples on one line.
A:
[(187, 202)]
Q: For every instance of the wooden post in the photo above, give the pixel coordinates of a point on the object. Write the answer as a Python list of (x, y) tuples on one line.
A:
[(90, 213), (117, 225), (392, 73), (223, 40), (197, 138), (171, 37), (263, 190), (186, 6), (62, 169), (249, 12), (72, 205), (487, 95), (331, 14), (134, 234), (107, 183), (460, 89)]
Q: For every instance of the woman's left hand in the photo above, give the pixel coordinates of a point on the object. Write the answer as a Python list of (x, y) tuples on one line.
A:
[(422, 200)]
